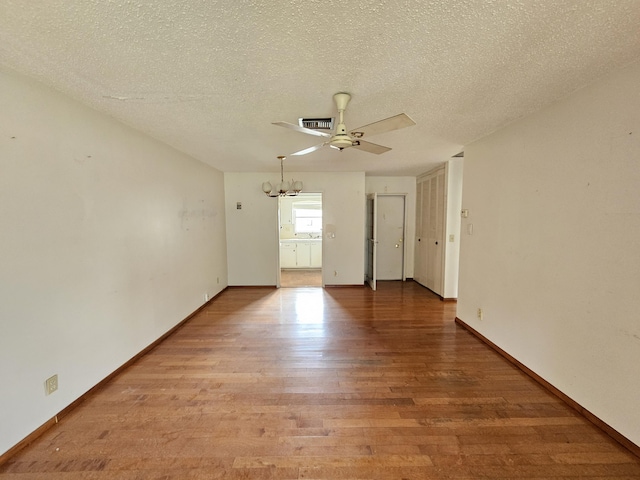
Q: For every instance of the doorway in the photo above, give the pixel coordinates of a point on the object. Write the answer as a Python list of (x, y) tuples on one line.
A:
[(386, 231), (300, 240)]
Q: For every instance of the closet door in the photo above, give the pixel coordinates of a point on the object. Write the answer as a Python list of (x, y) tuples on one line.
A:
[(420, 262), (430, 253)]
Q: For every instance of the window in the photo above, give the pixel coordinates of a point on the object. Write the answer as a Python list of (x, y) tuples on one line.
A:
[(307, 217)]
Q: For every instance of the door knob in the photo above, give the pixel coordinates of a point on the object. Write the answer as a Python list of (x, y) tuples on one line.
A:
[(436, 243)]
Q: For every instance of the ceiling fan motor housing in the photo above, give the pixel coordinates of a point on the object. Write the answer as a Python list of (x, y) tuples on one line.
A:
[(341, 140)]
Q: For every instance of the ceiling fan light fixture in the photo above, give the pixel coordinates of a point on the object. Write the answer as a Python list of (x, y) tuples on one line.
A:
[(341, 138)]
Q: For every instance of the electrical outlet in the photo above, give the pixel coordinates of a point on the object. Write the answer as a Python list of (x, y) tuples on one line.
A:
[(51, 385), (217, 279), (206, 297), (480, 314)]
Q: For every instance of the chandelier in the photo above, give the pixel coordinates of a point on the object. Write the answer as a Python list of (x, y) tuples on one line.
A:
[(283, 188)]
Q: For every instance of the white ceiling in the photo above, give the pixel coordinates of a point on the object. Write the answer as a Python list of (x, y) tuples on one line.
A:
[(210, 76)]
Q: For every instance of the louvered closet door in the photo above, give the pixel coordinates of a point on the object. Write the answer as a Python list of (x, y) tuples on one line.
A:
[(430, 250), (422, 205)]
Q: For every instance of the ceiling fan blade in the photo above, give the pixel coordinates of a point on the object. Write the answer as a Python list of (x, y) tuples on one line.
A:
[(310, 149), (396, 122), (371, 147), (300, 129)]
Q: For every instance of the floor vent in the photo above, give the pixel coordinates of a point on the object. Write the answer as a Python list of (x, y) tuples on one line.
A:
[(317, 123)]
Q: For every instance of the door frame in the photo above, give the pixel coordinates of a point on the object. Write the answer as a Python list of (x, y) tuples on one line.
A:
[(373, 241), (279, 228)]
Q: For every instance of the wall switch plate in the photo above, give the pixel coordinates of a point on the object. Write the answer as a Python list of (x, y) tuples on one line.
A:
[(51, 385)]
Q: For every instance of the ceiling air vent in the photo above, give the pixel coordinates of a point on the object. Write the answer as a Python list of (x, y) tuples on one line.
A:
[(317, 123)]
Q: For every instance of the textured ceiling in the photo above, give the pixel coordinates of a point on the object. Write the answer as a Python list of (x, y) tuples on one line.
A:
[(209, 77)]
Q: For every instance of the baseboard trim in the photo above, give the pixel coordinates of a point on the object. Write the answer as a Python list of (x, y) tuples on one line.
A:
[(65, 411), (442, 299), (602, 425), (266, 287), (449, 300)]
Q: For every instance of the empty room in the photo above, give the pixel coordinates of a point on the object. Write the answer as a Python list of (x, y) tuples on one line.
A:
[(330, 239)]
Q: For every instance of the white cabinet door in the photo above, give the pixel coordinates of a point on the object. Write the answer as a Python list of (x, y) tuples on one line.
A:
[(316, 254), (303, 254), (287, 255)]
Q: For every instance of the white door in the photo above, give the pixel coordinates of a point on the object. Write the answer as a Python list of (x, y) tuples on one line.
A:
[(420, 266), (390, 216), (370, 274), (430, 228), (435, 250)]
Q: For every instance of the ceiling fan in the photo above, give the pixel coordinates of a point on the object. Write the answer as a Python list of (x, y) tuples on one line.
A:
[(341, 139)]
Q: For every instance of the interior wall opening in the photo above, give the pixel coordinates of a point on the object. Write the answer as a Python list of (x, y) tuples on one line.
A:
[(301, 240)]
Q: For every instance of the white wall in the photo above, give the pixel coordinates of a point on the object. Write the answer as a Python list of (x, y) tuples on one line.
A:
[(252, 232), (453, 178), (109, 239), (400, 185), (554, 258)]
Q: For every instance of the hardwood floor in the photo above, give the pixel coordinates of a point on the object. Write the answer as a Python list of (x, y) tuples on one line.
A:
[(311, 383)]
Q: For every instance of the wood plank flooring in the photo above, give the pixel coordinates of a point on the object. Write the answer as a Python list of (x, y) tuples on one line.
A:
[(311, 383)]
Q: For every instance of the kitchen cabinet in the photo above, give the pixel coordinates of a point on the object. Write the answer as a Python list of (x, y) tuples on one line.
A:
[(316, 254), (301, 254), (287, 255)]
